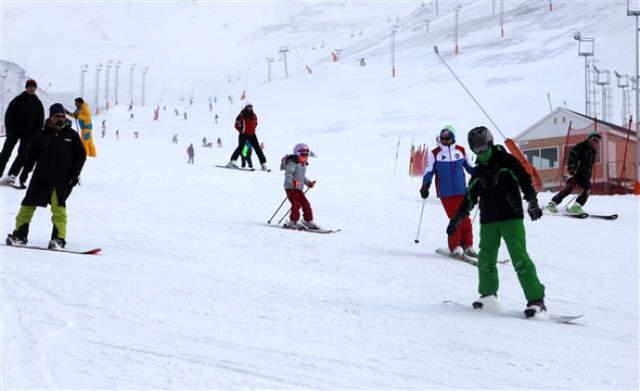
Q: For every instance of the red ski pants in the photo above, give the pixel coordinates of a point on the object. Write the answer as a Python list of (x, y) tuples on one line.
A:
[(299, 200), (464, 234)]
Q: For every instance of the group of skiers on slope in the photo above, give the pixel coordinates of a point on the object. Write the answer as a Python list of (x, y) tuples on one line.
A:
[(496, 183), (497, 179), (55, 150)]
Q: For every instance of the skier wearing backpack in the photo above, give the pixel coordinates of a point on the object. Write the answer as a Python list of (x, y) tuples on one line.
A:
[(295, 169), (448, 162), (496, 183), (581, 159)]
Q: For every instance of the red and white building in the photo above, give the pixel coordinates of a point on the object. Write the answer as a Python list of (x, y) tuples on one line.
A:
[(547, 142)]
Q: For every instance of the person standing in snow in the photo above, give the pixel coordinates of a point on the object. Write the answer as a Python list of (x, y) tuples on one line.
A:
[(497, 180), (23, 119), (246, 124), (295, 169), (83, 115), (191, 153), (245, 156), (219, 142), (448, 162), (581, 159), (58, 156)]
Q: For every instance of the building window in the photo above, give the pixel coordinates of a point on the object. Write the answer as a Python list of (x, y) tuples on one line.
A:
[(564, 119), (555, 120), (543, 158)]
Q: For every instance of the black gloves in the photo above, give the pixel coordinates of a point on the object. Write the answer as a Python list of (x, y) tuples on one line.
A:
[(453, 225), (534, 210), (424, 190)]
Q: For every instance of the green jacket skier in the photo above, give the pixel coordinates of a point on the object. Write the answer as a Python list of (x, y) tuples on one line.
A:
[(496, 183)]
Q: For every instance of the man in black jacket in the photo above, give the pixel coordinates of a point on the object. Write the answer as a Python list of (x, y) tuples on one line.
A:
[(24, 117), (581, 159), (59, 155), (496, 183)]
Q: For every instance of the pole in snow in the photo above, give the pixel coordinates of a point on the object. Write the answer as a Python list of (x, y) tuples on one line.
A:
[(457, 32), (116, 82)]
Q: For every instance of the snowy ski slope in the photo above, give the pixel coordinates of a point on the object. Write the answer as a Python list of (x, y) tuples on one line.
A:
[(194, 290)]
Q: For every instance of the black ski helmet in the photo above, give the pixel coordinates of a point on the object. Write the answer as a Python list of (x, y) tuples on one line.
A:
[(480, 139)]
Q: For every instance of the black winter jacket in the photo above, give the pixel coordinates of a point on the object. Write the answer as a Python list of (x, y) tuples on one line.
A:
[(59, 157), (581, 159), (24, 116), (497, 184)]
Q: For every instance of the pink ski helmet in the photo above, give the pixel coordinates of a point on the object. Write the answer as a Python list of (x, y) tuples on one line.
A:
[(301, 149)]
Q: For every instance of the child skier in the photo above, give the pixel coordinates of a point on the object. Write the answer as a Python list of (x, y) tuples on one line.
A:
[(448, 162), (496, 183), (295, 168)]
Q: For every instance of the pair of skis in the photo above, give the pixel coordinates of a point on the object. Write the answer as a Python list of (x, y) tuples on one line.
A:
[(583, 215), (305, 229), (466, 258), (241, 168)]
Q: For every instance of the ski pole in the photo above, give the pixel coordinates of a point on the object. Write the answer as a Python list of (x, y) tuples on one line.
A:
[(274, 213), (417, 240), (289, 210)]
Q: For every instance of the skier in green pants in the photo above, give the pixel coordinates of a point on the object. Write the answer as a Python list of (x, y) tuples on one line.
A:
[(496, 183), (59, 155)]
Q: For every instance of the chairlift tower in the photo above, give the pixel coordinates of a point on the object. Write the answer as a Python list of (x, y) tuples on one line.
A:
[(83, 74), (603, 79), (623, 84)]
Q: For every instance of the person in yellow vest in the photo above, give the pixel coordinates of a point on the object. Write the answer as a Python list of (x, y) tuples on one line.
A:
[(83, 115)]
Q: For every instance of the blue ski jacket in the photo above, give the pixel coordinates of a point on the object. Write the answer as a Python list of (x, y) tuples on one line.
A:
[(448, 163)]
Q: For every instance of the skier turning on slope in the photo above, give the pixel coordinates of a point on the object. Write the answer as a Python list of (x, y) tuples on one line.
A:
[(448, 162), (496, 183), (581, 159), (295, 169)]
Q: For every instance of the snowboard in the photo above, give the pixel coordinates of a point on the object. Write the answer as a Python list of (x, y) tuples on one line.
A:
[(563, 319), (93, 251), (318, 231)]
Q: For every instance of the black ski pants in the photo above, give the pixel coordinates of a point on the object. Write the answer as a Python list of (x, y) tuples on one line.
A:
[(9, 143), (584, 183), (253, 140)]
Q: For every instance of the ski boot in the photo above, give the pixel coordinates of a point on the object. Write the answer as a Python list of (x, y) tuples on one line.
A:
[(15, 239), (263, 166), (470, 252), (57, 244), (487, 302), (552, 207), (535, 308), (575, 209), (309, 225), (291, 225), (457, 252), (9, 180)]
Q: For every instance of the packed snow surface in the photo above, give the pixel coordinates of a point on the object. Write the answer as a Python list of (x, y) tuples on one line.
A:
[(193, 289)]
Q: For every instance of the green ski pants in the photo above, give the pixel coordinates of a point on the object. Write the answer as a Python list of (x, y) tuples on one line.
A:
[(512, 231), (58, 216)]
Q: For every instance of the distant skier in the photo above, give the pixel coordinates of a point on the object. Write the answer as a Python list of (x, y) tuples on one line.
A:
[(174, 139), (117, 134), (362, 62), (185, 115), (245, 155), (131, 117), (581, 159), (176, 112), (136, 134), (215, 118), (496, 182), (246, 124), (130, 106), (190, 153), (204, 141), (23, 119), (83, 115), (295, 169), (448, 162), (219, 142), (58, 156)]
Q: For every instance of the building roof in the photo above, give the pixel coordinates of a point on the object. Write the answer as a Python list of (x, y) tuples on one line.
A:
[(584, 118)]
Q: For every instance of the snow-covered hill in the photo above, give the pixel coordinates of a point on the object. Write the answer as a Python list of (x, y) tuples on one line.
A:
[(194, 290)]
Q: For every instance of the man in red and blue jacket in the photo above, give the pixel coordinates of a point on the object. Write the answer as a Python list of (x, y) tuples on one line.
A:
[(447, 163)]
